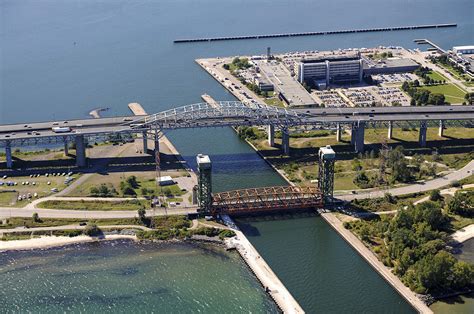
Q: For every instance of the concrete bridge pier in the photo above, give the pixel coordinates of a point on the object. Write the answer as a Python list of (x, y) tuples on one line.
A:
[(80, 151), (8, 154), (422, 135), (338, 132), (353, 133), (441, 128), (390, 130), (271, 135), (285, 141), (359, 137), (66, 146), (145, 142)]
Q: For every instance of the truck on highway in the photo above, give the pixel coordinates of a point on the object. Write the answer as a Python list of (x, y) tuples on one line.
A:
[(58, 129)]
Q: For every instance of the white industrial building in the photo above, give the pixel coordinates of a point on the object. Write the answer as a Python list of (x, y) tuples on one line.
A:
[(464, 49)]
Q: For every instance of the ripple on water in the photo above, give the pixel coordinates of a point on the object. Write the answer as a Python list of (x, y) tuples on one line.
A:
[(123, 276)]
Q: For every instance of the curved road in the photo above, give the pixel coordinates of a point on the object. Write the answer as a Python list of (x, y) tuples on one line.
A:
[(437, 183)]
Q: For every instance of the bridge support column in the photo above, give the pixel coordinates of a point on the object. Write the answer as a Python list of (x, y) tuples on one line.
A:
[(80, 151), (271, 135), (338, 132), (353, 133), (441, 128), (8, 154), (390, 130), (358, 132), (422, 135), (145, 142), (66, 146), (285, 141), (204, 190)]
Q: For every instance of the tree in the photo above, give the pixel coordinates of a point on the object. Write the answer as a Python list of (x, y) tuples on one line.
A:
[(462, 204), (142, 215), (92, 230), (35, 217), (132, 181), (435, 195), (128, 190)]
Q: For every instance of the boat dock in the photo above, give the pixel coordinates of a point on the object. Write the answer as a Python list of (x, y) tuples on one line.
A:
[(273, 286), (425, 41), (344, 31)]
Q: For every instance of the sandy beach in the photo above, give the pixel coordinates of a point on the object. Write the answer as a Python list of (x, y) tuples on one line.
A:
[(52, 241)]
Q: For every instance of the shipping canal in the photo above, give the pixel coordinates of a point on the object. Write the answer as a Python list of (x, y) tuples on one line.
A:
[(61, 59)]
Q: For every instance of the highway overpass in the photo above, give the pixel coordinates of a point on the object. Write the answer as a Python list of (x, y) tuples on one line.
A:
[(233, 113)]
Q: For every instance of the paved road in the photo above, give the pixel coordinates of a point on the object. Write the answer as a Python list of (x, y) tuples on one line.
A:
[(6, 212), (437, 183)]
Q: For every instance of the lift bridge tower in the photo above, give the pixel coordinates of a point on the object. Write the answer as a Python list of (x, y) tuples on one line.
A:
[(327, 157), (204, 188)]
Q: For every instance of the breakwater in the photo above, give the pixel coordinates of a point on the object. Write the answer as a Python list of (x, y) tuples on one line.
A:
[(343, 31)]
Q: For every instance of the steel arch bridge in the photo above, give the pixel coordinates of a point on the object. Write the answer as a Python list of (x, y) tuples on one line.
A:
[(221, 114)]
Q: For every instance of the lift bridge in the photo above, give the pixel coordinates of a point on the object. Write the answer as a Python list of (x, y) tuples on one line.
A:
[(266, 199)]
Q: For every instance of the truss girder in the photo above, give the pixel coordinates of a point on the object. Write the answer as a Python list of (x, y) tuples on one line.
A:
[(266, 199)]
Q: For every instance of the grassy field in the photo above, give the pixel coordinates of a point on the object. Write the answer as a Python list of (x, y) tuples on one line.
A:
[(452, 93), (95, 205), (301, 167), (436, 76), (145, 179)]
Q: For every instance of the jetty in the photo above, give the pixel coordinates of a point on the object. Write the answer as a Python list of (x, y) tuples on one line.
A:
[(269, 280), (334, 32)]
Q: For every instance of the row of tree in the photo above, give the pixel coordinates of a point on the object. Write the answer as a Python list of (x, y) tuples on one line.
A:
[(422, 97), (414, 243), (424, 72)]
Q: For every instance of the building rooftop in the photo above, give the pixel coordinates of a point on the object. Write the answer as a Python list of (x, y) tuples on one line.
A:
[(331, 58), (470, 47), (390, 63)]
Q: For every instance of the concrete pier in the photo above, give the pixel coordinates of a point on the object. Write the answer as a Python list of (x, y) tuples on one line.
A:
[(390, 130), (343, 31), (422, 135), (285, 141), (271, 135), (269, 280), (66, 146), (80, 151), (137, 109), (441, 128), (357, 136), (338, 132), (145, 142), (8, 154)]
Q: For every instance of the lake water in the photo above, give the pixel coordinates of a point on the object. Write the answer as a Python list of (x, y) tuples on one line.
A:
[(60, 59), (126, 277)]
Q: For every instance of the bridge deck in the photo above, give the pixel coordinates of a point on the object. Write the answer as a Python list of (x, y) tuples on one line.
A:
[(266, 199)]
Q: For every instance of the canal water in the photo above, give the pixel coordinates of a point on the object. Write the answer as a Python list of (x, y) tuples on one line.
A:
[(61, 59)]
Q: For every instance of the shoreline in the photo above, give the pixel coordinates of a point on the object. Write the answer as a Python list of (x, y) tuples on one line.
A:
[(45, 242)]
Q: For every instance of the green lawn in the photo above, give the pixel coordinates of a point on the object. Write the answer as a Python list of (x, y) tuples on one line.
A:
[(437, 76), (452, 93), (95, 205), (7, 198)]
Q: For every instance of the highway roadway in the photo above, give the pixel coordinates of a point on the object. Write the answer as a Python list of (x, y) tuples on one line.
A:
[(25, 133)]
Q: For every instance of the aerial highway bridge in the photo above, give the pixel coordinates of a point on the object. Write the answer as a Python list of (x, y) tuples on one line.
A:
[(233, 113)]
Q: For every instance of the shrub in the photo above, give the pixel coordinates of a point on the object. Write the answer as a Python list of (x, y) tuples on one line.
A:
[(92, 230)]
